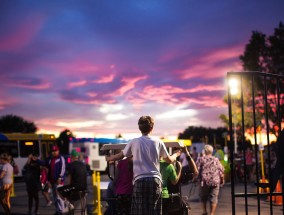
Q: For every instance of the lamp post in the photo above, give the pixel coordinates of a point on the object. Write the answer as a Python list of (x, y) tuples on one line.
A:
[(234, 84)]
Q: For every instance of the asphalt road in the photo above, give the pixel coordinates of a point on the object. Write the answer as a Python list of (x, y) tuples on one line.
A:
[(19, 201)]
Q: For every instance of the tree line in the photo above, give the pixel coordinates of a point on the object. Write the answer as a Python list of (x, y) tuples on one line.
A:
[(16, 124)]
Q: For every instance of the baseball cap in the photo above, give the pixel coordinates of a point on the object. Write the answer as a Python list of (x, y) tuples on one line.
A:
[(54, 148), (74, 153)]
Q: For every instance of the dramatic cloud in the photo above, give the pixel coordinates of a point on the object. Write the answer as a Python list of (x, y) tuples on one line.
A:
[(96, 66)]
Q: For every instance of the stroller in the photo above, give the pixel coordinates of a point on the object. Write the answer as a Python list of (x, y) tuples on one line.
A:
[(75, 200)]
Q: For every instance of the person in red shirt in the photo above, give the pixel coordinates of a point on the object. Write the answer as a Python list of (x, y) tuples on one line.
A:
[(56, 173)]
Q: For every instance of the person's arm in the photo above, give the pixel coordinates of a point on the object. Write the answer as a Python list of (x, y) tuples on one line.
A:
[(115, 157), (221, 173), (68, 179), (62, 172), (190, 161), (3, 173), (173, 157), (178, 172), (29, 159)]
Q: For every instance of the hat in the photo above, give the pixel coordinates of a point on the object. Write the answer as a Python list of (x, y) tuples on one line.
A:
[(54, 148), (74, 153)]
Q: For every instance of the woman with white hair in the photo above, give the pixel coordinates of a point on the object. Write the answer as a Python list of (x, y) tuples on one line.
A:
[(210, 176)]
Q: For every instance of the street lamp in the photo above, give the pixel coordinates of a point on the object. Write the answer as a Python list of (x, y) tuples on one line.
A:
[(234, 89)]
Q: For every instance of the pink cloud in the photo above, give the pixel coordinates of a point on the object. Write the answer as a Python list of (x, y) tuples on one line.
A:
[(206, 88), (22, 34), (128, 84), (104, 79), (211, 64), (77, 84), (171, 95)]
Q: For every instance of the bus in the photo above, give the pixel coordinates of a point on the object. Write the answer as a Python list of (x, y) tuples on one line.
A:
[(90, 148), (20, 145)]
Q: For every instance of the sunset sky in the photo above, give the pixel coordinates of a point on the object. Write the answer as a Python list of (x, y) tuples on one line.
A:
[(96, 66)]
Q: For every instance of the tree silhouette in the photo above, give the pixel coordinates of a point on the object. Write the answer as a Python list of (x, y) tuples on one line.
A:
[(202, 134), (16, 124), (262, 54)]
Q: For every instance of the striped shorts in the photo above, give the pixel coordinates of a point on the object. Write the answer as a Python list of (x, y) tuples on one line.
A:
[(146, 198)]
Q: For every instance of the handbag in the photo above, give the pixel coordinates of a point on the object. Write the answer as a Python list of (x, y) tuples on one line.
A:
[(177, 206), (186, 175)]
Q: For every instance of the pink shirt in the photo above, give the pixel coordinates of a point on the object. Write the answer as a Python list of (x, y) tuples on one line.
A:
[(249, 156), (124, 184)]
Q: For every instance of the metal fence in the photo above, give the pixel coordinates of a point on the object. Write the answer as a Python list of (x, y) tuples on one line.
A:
[(256, 115)]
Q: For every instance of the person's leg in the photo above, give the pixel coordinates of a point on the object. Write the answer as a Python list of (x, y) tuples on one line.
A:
[(136, 205), (213, 198), (203, 194), (4, 203), (212, 208), (146, 197), (58, 201), (30, 202), (46, 194), (203, 207), (9, 192), (36, 198), (154, 197), (165, 205), (123, 204), (46, 197)]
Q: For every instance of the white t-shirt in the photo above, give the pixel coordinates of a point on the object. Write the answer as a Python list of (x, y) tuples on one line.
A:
[(183, 160), (146, 152), (8, 177)]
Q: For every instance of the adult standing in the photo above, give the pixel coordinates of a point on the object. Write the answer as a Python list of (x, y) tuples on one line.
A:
[(211, 176), (249, 164), (56, 171), (31, 173), (6, 182), (146, 151)]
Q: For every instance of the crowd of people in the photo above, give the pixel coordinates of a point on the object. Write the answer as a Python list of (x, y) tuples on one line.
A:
[(154, 169), (146, 180), (44, 175)]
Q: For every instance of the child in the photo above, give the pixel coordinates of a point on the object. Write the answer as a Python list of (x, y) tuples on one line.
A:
[(45, 185)]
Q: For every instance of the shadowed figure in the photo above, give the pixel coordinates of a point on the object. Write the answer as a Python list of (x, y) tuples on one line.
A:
[(279, 167)]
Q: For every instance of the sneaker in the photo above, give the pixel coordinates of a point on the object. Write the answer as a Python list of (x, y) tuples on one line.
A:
[(49, 203)]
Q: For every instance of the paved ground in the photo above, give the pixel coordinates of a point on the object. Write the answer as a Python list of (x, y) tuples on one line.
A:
[(19, 202)]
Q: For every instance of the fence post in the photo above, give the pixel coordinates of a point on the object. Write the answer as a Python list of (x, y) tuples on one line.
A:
[(97, 193)]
